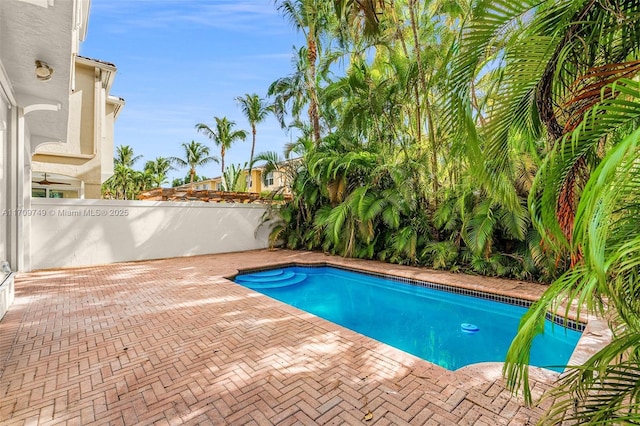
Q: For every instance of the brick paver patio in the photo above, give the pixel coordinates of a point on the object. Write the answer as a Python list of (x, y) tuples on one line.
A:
[(174, 342)]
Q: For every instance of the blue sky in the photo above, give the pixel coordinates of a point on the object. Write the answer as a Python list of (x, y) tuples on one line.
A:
[(182, 62)]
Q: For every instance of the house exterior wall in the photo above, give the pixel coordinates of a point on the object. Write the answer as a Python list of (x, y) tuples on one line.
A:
[(108, 145), (279, 181), (14, 174), (13, 200), (257, 184), (88, 152), (256, 180), (34, 35)]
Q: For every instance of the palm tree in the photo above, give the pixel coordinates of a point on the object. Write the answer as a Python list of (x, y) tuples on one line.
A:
[(254, 108), (195, 155), (122, 184), (361, 14), (605, 389), (125, 156), (142, 181), (159, 169), (223, 136), (290, 90), (310, 17)]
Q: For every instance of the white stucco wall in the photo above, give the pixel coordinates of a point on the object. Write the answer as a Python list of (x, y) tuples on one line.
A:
[(70, 233)]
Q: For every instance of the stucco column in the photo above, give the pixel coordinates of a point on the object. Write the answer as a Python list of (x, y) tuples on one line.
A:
[(18, 187), (14, 165)]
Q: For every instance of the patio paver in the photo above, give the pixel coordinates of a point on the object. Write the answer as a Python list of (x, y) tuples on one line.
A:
[(173, 342)]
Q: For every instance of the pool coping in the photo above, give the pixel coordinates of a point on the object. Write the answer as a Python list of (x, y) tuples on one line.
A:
[(595, 331)]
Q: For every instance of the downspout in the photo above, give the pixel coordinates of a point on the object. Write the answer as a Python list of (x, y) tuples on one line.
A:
[(98, 109)]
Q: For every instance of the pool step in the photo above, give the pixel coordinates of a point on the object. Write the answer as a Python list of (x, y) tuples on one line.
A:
[(269, 273), (283, 280), (253, 278)]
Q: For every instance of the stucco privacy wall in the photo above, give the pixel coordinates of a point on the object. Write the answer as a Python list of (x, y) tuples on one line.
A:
[(70, 233)]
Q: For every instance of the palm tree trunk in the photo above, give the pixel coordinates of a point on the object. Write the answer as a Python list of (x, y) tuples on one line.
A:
[(224, 183), (416, 41), (544, 95), (425, 93), (312, 55), (416, 89), (434, 153), (400, 36), (567, 201), (399, 33), (253, 147)]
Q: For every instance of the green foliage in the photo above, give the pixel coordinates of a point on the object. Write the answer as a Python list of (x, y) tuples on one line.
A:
[(233, 180), (388, 179), (126, 183), (560, 82), (158, 168), (495, 137), (605, 388)]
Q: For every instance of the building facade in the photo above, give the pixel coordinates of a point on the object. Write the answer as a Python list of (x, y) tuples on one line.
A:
[(56, 116), (76, 168), (261, 181)]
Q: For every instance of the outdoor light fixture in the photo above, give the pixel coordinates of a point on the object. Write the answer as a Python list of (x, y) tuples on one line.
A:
[(43, 71)]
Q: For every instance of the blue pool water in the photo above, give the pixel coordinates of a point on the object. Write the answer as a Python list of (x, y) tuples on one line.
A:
[(448, 329)]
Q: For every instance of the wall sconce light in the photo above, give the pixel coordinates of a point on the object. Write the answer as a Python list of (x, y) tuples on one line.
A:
[(43, 71)]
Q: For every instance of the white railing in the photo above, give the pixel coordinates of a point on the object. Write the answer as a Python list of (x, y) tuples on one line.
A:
[(70, 233)]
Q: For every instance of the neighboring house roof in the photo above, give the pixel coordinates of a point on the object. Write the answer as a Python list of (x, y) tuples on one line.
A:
[(110, 70), (100, 61)]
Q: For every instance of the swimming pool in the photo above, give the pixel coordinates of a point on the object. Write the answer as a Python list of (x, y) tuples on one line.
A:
[(448, 329)]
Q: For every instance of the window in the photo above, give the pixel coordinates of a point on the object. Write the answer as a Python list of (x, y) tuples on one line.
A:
[(269, 179), (39, 193), (54, 193)]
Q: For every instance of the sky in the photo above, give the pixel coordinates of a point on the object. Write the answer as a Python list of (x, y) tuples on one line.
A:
[(183, 62)]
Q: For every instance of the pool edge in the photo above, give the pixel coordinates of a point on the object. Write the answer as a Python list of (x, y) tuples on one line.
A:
[(595, 331), (572, 322)]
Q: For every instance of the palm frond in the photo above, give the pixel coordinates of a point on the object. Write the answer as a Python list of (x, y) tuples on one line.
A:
[(586, 284), (478, 233)]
